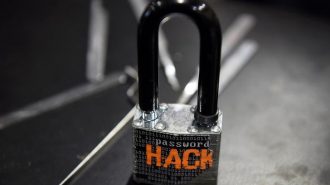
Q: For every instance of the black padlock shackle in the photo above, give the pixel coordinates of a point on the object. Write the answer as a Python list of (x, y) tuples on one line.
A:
[(210, 50)]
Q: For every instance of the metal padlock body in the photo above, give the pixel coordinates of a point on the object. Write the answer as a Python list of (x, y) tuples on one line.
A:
[(175, 143), (190, 147)]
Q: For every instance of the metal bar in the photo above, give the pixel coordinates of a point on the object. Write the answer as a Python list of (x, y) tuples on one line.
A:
[(92, 156), (97, 44), (233, 35), (234, 64), (60, 100)]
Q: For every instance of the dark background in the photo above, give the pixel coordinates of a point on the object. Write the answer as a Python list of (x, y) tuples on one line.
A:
[(276, 111)]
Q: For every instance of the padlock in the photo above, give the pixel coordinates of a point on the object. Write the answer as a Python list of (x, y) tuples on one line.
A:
[(177, 143)]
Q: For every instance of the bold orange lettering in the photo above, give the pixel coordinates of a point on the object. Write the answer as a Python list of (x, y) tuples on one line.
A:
[(169, 160), (185, 159), (206, 158), (156, 155)]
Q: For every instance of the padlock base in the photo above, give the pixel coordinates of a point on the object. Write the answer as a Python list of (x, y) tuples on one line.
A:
[(174, 150)]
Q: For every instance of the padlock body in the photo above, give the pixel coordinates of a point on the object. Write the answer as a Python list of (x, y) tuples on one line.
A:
[(173, 150)]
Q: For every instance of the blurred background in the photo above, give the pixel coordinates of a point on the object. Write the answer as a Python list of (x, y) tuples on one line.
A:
[(68, 76)]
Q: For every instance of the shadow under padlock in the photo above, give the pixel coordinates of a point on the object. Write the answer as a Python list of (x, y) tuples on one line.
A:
[(132, 182), (177, 143)]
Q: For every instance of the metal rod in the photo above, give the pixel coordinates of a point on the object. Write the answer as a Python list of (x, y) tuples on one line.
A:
[(92, 156), (97, 43), (234, 64), (60, 100), (233, 35)]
